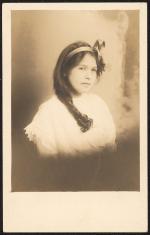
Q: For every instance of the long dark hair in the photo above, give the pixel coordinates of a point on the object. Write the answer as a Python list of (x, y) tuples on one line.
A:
[(63, 88)]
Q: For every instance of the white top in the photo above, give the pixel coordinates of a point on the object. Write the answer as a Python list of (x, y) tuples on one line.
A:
[(55, 131)]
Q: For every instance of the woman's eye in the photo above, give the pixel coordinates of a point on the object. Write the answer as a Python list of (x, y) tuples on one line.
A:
[(94, 70), (81, 68)]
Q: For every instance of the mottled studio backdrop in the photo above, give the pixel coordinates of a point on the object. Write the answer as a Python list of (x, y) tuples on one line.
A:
[(37, 39)]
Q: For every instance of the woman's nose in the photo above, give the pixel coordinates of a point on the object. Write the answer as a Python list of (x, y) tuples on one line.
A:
[(88, 74)]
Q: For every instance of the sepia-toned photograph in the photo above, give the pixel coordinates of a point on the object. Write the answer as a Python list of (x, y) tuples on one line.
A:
[(75, 101)]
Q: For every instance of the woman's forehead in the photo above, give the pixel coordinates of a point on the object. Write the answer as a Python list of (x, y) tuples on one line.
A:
[(88, 60)]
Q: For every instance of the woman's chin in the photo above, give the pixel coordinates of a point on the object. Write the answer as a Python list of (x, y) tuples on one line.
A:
[(83, 91)]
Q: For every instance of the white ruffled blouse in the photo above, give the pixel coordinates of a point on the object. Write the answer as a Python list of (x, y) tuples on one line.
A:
[(55, 131)]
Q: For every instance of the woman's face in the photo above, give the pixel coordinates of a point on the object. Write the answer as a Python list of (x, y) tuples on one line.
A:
[(83, 76)]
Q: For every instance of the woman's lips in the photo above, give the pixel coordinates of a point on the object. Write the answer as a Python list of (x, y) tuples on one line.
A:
[(86, 83)]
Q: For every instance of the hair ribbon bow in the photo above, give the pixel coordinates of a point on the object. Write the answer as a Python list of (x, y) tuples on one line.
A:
[(97, 47)]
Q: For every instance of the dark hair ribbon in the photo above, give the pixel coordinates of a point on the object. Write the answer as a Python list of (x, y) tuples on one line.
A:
[(97, 47)]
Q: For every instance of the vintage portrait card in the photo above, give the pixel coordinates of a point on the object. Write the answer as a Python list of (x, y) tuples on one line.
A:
[(74, 117)]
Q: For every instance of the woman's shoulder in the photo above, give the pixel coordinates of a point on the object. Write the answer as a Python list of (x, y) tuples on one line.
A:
[(52, 108), (96, 98), (100, 104)]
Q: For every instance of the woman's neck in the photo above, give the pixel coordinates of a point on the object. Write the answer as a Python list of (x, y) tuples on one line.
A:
[(78, 96)]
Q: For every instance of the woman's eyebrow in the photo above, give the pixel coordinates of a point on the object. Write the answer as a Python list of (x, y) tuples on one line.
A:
[(86, 65)]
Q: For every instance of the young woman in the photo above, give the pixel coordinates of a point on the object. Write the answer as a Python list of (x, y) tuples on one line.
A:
[(74, 122)]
